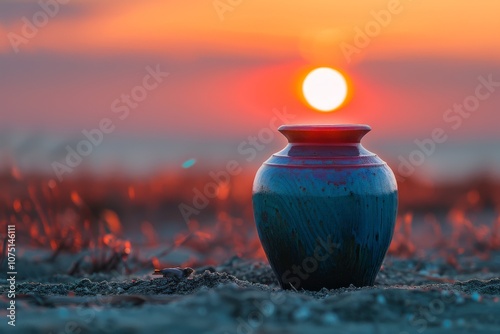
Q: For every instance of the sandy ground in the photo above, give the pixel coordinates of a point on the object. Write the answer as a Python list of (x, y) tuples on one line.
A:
[(242, 296)]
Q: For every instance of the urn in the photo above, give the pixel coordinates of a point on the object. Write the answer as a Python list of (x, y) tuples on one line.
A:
[(325, 208)]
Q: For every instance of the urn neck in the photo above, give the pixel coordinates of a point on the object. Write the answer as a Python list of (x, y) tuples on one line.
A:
[(336, 134), (324, 146)]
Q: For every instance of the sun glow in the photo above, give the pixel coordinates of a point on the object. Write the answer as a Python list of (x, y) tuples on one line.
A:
[(325, 89)]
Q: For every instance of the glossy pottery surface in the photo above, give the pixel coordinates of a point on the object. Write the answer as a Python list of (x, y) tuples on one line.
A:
[(325, 208)]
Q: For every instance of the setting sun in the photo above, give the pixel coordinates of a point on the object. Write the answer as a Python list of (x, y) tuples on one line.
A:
[(325, 89)]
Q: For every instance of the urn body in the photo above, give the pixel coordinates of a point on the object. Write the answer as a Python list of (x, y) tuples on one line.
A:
[(325, 208)]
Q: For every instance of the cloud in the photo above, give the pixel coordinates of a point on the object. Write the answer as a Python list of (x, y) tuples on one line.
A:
[(50, 90), (428, 74), (407, 97)]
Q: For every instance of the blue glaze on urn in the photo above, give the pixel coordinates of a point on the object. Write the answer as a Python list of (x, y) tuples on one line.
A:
[(325, 208)]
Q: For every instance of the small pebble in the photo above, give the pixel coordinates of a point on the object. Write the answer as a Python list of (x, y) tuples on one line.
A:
[(330, 318), (255, 319), (84, 282), (476, 296), (267, 308), (302, 314), (446, 323), (381, 299)]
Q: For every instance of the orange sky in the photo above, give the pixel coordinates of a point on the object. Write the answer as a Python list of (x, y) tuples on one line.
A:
[(226, 75), (191, 28)]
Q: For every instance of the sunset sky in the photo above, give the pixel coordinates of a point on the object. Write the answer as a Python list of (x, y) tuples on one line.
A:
[(229, 66)]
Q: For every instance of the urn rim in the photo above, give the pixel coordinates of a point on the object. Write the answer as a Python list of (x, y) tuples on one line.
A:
[(324, 133), (324, 127)]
